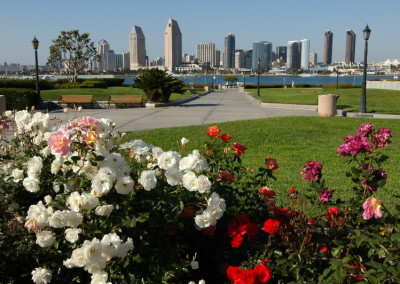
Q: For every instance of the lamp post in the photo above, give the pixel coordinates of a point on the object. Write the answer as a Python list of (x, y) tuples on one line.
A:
[(363, 103), (258, 77), (38, 99), (337, 79)]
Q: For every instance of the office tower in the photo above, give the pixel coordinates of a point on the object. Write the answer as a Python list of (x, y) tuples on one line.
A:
[(239, 59), (350, 47), (103, 50), (126, 60), (173, 45), (262, 50), (328, 47), (248, 56), (217, 58), (313, 59), (118, 61), (293, 54), (206, 53), (112, 63), (137, 48), (229, 54), (281, 53), (305, 54)]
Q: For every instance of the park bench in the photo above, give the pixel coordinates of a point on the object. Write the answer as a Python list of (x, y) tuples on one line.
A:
[(307, 92), (125, 100), (76, 99)]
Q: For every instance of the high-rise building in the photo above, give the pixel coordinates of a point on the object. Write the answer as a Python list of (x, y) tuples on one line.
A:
[(206, 53), (328, 47), (248, 56), (126, 60), (281, 53), (118, 61), (293, 54), (305, 54), (229, 54), (217, 58), (137, 48), (103, 50), (173, 45), (350, 47), (313, 59), (262, 50), (239, 59), (112, 62)]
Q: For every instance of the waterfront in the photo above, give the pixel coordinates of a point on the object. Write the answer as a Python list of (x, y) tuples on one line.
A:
[(288, 80)]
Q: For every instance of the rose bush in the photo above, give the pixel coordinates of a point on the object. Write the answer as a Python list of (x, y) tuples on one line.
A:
[(77, 206)]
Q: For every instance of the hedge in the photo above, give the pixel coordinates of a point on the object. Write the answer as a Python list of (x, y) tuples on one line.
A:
[(340, 86), (26, 84), (17, 98)]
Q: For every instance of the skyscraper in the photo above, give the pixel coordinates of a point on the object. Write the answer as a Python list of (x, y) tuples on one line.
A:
[(103, 50), (217, 57), (206, 53), (173, 45), (248, 56), (112, 61), (239, 59), (281, 53), (328, 47), (293, 54), (137, 48), (305, 54), (262, 50), (229, 54), (126, 60), (350, 47), (313, 59)]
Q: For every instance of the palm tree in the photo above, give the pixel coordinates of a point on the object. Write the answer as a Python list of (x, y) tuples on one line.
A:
[(157, 85)]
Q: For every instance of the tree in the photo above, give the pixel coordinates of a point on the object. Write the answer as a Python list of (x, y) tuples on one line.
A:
[(72, 52), (157, 85)]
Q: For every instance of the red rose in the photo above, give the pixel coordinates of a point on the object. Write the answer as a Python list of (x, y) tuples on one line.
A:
[(225, 137), (271, 164), (209, 152), (233, 273), (324, 249), (209, 231), (252, 230), (267, 192), (246, 276), (292, 191), (213, 131), (332, 212), (271, 226), (237, 241), (262, 274), (226, 176), (188, 211), (238, 148)]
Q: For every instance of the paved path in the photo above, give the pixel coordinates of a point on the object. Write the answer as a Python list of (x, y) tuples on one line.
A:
[(215, 107)]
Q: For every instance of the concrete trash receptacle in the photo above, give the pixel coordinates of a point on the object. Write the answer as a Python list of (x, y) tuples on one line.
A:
[(207, 88), (2, 104), (327, 105)]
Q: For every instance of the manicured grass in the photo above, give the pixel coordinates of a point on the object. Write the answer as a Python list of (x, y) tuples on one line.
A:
[(104, 94), (378, 101), (292, 141)]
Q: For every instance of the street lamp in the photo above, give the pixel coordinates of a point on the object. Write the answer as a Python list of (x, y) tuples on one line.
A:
[(337, 78), (258, 77), (363, 103), (38, 99)]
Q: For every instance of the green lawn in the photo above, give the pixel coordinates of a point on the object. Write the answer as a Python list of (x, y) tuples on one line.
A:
[(104, 94), (378, 101), (292, 141)]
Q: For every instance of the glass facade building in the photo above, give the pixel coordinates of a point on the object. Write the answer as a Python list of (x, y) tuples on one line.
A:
[(229, 54), (262, 50)]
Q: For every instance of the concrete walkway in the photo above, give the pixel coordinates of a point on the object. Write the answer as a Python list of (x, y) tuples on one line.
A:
[(214, 107)]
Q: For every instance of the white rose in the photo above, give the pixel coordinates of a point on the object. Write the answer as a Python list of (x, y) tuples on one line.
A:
[(148, 180), (187, 164), (58, 219), (124, 185), (189, 180), (203, 184), (35, 164), (41, 275), (22, 117), (168, 160), (174, 176), (111, 244), (124, 248), (157, 151), (104, 210), (46, 151), (74, 219), (101, 185), (89, 201), (184, 141), (99, 277), (38, 213), (74, 201), (194, 265), (77, 259), (92, 250), (45, 239), (17, 174), (48, 199), (8, 113), (31, 184), (56, 166), (72, 234)]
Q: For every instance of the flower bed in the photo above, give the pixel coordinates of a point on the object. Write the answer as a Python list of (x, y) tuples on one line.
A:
[(78, 207)]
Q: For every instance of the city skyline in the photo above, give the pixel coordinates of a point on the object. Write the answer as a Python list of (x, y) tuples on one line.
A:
[(275, 22)]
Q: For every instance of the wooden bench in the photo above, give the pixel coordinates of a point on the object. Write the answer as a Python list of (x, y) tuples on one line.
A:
[(125, 100), (307, 92), (76, 99)]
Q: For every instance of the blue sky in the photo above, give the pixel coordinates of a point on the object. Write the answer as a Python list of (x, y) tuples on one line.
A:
[(276, 21)]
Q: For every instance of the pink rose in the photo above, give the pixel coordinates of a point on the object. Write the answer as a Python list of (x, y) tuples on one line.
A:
[(59, 142)]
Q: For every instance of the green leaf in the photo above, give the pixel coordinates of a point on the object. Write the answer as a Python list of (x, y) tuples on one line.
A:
[(137, 258)]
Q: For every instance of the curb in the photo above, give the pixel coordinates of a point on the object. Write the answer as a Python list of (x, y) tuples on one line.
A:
[(177, 102)]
